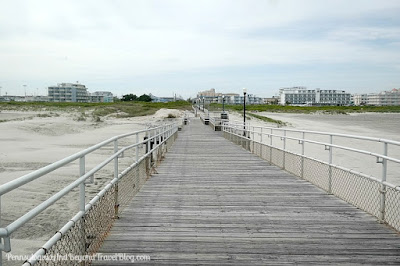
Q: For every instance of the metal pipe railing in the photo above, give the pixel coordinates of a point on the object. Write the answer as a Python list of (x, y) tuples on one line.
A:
[(79, 215), (155, 135), (381, 158), (326, 134)]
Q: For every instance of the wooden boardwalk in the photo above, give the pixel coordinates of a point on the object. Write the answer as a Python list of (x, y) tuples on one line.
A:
[(214, 203)]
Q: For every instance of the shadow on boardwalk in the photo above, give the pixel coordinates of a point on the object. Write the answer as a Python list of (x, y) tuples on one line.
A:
[(214, 203)]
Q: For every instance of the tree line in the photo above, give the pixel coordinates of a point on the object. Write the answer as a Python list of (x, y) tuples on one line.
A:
[(133, 97)]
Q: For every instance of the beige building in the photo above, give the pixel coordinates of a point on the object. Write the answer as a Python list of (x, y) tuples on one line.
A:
[(360, 99), (208, 93), (384, 98)]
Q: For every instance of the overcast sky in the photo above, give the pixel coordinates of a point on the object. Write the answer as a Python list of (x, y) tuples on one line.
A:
[(166, 47)]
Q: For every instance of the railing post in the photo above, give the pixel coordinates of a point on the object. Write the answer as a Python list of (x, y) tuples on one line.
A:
[(270, 144), (284, 149), (137, 147), (302, 155), (82, 171), (383, 187), (116, 201), (330, 166), (82, 203), (149, 156), (253, 137)]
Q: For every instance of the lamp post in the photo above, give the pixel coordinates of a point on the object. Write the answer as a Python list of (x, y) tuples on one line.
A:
[(223, 104), (244, 111), (203, 104)]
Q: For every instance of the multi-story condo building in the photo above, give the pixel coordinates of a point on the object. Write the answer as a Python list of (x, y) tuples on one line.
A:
[(68, 92), (101, 97), (210, 96), (360, 99), (239, 99), (208, 93), (303, 96), (384, 98)]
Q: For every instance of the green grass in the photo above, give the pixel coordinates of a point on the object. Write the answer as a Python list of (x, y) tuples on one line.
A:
[(131, 109), (128, 109), (267, 119), (311, 109)]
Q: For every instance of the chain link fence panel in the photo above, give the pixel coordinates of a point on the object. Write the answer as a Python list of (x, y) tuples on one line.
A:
[(392, 210), (356, 189), (276, 157), (293, 163), (70, 243), (316, 172)]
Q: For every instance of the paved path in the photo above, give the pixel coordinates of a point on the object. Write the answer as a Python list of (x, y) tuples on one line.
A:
[(214, 203)]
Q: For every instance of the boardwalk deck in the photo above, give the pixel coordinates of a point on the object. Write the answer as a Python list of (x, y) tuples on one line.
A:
[(214, 203)]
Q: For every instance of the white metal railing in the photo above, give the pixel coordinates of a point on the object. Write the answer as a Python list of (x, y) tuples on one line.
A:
[(216, 122), (205, 117), (287, 149), (213, 118), (154, 139)]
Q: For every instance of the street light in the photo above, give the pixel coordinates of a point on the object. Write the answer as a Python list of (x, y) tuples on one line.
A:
[(244, 111), (203, 104), (223, 103)]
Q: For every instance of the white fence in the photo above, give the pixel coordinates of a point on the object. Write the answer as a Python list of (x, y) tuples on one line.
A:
[(311, 155)]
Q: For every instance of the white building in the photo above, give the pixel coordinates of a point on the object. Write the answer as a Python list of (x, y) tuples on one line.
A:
[(384, 98), (303, 96), (239, 99), (360, 99), (211, 96), (102, 97), (68, 92)]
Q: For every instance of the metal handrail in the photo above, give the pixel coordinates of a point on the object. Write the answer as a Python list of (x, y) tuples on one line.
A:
[(165, 131), (51, 167), (326, 145), (328, 134), (381, 158), (79, 215), (248, 133)]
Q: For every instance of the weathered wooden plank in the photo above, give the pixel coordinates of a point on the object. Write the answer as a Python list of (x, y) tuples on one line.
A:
[(213, 203)]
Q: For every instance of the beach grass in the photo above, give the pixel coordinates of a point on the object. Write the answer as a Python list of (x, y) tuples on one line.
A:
[(267, 119), (121, 109)]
